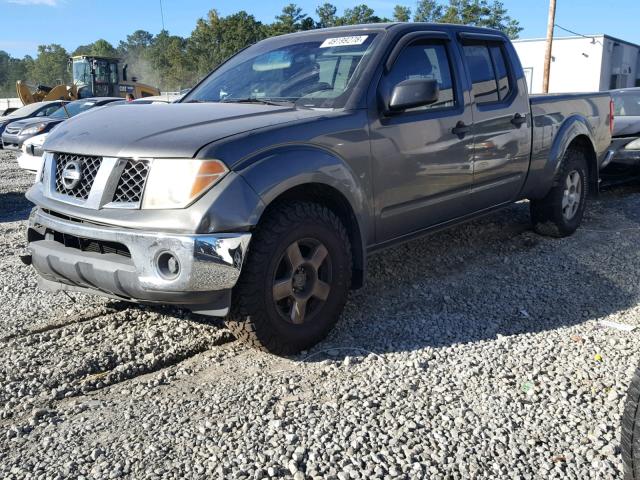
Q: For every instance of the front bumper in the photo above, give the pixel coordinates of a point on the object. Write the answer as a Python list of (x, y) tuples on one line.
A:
[(626, 157), (619, 155), (72, 255), (13, 141)]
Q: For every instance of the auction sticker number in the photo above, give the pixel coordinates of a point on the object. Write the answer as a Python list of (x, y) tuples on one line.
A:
[(344, 41)]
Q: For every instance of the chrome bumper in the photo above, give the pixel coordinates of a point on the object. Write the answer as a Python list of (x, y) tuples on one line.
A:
[(206, 262), (618, 153)]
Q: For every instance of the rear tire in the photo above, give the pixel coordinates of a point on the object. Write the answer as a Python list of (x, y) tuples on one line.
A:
[(295, 282), (560, 213), (631, 431)]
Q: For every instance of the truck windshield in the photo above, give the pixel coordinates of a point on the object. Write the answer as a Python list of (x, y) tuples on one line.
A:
[(312, 71), (627, 104)]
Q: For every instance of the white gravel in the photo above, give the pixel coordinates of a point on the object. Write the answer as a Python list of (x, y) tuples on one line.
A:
[(473, 353)]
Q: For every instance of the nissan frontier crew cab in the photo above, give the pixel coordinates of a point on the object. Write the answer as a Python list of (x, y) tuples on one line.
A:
[(260, 194)]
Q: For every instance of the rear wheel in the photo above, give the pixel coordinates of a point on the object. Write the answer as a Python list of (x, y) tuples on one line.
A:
[(296, 279), (631, 431), (560, 213)]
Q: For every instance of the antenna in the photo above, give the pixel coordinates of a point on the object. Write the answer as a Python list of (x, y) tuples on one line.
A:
[(162, 15)]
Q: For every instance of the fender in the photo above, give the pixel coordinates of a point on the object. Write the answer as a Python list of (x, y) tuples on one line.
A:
[(545, 166), (277, 171)]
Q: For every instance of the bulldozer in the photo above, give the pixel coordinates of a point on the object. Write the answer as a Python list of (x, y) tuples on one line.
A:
[(93, 76)]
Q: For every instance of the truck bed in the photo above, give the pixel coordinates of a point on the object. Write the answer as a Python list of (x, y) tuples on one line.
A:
[(552, 114)]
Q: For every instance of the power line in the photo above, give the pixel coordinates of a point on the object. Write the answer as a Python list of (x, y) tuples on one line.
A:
[(576, 33)]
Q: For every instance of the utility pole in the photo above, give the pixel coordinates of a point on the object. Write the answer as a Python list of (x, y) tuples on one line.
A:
[(547, 56), (162, 15)]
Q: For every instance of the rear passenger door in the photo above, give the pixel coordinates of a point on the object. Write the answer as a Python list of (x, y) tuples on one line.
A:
[(501, 118)]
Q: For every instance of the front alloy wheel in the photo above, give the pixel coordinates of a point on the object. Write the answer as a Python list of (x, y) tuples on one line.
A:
[(302, 282), (295, 282)]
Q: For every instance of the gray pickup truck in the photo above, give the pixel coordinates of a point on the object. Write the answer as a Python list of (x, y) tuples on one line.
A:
[(260, 194)]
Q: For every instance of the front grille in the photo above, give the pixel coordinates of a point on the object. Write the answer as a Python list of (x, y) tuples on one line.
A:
[(12, 130), (131, 183), (88, 170), (62, 216)]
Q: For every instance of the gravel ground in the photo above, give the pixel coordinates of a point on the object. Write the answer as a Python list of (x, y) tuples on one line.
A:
[(473, 353)]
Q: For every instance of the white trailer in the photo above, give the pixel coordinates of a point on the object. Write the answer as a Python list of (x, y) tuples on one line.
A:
[(581, 64)]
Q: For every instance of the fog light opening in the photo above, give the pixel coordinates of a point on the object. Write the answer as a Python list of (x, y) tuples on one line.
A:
[(168, 265)]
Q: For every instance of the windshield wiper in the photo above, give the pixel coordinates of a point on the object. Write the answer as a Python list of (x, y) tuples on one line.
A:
[(264, 101), (195, 100)]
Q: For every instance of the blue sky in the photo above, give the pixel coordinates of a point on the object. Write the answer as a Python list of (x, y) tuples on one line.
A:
[(24, 24)]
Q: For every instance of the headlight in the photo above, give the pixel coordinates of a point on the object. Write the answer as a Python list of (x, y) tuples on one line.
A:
[(32, 130), (635, 145), (175, 183)]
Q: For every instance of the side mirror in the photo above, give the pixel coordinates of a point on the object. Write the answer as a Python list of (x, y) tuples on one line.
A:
[(413, 93)]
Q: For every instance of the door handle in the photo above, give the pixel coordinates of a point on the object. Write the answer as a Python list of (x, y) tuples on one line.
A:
[(518, 120), (461, 129)]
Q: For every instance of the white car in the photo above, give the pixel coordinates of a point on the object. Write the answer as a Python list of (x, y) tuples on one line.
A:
[(31, 156)]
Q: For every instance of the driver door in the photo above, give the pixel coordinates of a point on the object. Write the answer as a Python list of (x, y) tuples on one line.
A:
[(422, 157)]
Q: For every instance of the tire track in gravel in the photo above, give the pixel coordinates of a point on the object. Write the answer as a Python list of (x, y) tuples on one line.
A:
[(78, 357), (60, 323)]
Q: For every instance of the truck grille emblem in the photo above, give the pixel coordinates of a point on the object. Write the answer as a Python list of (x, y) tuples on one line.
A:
[(71, 174)]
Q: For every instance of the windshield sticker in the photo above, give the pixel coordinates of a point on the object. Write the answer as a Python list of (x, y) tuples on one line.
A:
[(344, 41)]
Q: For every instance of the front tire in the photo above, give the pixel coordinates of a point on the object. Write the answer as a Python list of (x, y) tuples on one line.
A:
[(296, 280), (560, 212)]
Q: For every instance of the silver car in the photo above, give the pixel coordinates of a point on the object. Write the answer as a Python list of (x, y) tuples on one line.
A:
[(625, 144)]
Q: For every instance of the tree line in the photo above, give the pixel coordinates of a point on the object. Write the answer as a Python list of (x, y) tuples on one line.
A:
[(172, 62)]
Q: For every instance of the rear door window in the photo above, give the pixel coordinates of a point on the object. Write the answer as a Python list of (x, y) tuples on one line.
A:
[(483, 78), (489, 72), (502, 74)]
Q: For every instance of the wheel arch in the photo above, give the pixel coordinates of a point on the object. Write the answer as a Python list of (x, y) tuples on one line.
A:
[(314, 175), (583, 143), (574, 132)]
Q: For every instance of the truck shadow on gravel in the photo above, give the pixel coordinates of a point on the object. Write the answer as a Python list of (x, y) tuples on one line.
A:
[(473, 282), (14, 207), (493, 277), (490, 277)]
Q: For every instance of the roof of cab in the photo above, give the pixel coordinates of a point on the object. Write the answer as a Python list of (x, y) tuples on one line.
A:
[(397, 26)]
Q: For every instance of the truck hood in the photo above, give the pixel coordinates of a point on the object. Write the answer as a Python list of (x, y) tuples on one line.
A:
[(625, 126), (172, 130)]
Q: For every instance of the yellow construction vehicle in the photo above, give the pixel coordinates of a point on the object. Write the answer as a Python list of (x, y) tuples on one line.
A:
[(43, 93), (92, 77)]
